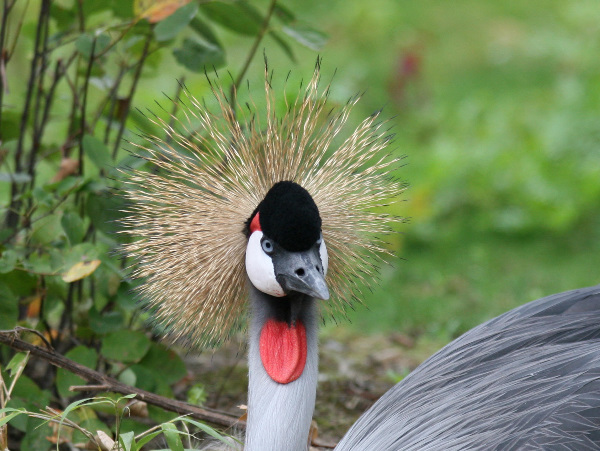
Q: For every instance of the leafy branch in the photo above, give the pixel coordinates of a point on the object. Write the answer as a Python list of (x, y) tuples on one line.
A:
[(61, 140), (110, 384)]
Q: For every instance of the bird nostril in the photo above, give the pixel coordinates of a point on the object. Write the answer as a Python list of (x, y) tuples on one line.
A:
[(318, 268), (300, 272)]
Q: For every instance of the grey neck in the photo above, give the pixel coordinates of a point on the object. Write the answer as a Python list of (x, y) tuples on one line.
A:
[(279, 415)]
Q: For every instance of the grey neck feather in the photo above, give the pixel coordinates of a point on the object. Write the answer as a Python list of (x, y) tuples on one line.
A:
[(279, 415)]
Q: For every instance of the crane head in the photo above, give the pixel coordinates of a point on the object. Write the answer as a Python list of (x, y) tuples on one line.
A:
[(185, 216), (286, 252)]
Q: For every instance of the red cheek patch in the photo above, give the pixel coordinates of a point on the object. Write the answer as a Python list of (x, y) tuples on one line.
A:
[(283, 350), (254, 224)]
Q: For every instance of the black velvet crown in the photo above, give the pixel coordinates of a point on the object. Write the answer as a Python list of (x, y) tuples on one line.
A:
[(289, 216)]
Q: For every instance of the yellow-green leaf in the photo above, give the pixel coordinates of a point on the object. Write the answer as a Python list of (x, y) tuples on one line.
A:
[(80, 270), (157, 10)]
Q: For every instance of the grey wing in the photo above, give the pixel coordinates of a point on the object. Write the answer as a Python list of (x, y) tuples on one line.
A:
[(527, 380)]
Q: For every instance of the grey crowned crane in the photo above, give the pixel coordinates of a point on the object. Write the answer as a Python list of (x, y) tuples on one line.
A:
[(236, 210)]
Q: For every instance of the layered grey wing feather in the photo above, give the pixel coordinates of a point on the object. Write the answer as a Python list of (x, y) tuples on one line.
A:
[(527, 380)]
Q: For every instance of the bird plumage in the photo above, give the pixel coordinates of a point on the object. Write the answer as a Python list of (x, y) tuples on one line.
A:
[(528, 380), (213, 169), (279, 415)]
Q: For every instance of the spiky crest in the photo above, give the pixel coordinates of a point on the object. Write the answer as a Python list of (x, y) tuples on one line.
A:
[(212, 170)]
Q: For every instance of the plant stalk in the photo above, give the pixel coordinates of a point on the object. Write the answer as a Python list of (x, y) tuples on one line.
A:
[(253, 49)]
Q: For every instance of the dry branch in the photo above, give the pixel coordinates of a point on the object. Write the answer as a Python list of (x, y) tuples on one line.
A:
[(107, 383), (11, 338)]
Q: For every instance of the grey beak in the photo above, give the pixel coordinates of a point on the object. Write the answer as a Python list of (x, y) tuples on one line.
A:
[(301, 272)]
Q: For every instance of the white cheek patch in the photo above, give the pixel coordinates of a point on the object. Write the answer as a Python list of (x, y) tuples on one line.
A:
[(259, 267), (324, 257)]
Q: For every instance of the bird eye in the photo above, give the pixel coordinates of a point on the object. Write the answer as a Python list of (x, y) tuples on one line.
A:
[(267, 246)]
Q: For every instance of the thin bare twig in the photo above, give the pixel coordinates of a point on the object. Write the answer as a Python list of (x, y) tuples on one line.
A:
[(4, 53), (102, 387), (112, 98), (136, 77), (12, 217), (82, 125), (17, 32), (54, 416), (180, 85)]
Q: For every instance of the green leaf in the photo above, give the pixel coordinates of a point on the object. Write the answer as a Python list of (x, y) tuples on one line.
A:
[(139, 429), (104, 210), (85, 251), (103, 323), (6, 233), (85, 43), (14, 413), (146, 439), (284, 45), (126, 298), (64, 18), (205, 428), (80, 270), (17, 363), (125, 346), (19, 422), (8, 260), (238, 17), (120, 8), (145, 378), (160, 415), (84, 403), (35, 436), (17, 284), (173, 436), (42, 196), (27, 395), (205, 31), (29, 391), (97, 151), (198, 56), (197, 394), (10, 124), (127, 440), (306, 35), (39, 263), (65, 186), (171, 26), (284, 14), (64, 379), (72, 224), (91, 424), (160, 357), (46, 230), (9, 306)]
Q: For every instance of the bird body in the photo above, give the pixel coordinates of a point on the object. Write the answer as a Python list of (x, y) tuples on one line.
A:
[(281, 216), (528, 380)]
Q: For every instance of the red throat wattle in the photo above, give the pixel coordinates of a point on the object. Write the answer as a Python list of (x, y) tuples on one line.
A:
[(283, 350)]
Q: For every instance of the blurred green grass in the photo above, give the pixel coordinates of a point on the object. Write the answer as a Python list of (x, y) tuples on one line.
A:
[(500, 121)]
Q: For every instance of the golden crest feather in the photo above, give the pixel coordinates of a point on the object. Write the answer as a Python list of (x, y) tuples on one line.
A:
[(187, 211)]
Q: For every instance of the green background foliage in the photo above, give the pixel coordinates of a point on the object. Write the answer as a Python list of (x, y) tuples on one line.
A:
[(496, 106)]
